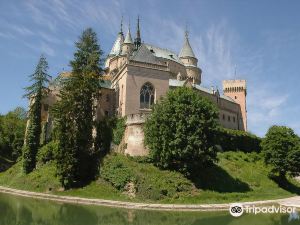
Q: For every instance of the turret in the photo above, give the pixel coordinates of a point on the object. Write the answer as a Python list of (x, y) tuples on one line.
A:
[(128, 45), (188, 58), (116, 49)]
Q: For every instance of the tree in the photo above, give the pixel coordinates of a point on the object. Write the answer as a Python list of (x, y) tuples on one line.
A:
[(281, 149), (181, 129), (35, 93), (12, 130), (75, 114)]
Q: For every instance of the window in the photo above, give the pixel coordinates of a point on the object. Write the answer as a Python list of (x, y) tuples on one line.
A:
[(146, 96), (228, 118), (235, 97), (107, 98), (106, 113), (234, 119), (223, 116)]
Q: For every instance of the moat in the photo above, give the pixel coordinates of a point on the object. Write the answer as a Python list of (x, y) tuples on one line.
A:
[(25, 211)]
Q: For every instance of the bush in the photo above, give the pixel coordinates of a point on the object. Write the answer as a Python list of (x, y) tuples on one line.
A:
[(236, 140), (281, 150), (149, 181), (116, 172), (180, 132), (48, 152)]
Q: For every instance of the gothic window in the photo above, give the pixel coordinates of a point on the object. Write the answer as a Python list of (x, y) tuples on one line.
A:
[(146, 96)]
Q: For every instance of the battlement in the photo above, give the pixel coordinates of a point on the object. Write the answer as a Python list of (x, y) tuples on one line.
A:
[(137, 118), (234, 86)]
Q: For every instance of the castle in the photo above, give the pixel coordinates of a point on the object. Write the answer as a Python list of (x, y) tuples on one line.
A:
[(137, 75)]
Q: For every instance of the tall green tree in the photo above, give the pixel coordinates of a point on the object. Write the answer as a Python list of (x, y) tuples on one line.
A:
[(75, 113), (12, 131), (281, 149), (180, 132), (35, 93)]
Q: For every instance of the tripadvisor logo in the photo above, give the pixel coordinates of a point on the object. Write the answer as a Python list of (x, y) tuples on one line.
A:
[(238, 209)]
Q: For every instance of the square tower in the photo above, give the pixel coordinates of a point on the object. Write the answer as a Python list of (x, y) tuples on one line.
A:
[(236, 89)]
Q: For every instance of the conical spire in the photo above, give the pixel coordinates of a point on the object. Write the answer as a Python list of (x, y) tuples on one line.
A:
[(138, 40), (186, 50), (128, 39), (116, 49)]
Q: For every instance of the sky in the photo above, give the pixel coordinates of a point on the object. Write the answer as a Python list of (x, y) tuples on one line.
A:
[(257, 40)]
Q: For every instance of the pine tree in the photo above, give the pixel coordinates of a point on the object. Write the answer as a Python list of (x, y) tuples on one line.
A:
[(75, 113), (35, 94)]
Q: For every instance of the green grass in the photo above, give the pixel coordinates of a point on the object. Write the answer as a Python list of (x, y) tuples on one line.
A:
[(237, 177)]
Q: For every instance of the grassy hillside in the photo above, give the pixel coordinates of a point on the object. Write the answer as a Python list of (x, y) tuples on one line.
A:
[(237, 177)]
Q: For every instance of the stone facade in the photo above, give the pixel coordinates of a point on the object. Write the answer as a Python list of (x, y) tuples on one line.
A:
[(137, 75)]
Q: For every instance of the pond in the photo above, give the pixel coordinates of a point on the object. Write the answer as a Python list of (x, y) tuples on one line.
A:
[(24, 211)]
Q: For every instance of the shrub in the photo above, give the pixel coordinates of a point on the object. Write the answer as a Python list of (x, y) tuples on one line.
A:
[(48, 152), (180, 132), (281, 150), (149, 181), (116, 172), (236, 140)]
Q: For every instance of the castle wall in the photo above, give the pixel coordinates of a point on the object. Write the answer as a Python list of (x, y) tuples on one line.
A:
[(136, 77)]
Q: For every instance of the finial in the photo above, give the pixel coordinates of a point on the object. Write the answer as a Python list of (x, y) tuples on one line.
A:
[(186, 32), (121, 27), (138, 39)]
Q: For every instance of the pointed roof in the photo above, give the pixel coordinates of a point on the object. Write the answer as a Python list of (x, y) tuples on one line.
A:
[(116, 49), (186, 50), (128, 39), (143, 54)]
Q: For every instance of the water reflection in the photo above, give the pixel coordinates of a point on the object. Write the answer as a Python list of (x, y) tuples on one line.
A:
[(25, 211)]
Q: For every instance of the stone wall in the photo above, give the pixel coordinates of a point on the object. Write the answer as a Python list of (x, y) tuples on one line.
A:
[(134, 135)]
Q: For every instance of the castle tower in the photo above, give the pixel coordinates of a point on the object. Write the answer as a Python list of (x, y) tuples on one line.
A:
[(128, 45), (116, 49), (236, 89), (190, 61), (138, 40)]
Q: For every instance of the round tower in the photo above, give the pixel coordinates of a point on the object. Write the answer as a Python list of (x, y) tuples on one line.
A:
[(188, 58)]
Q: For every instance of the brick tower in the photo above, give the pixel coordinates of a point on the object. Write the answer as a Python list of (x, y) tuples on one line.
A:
[(236, 89)]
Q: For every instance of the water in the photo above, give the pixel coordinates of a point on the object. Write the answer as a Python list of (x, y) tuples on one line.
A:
[(26, 211)]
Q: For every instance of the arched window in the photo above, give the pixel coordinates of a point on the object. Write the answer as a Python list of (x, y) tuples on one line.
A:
[(146, 96)]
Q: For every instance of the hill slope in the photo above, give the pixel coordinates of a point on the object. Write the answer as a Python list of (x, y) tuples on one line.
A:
[(236, 177)]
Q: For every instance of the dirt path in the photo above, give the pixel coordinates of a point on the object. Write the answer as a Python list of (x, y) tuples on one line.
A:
[(293, 201)]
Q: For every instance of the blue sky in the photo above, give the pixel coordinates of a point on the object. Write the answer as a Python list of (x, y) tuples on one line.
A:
[(260, 38)]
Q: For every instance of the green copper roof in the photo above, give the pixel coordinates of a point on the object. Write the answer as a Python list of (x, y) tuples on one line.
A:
[(180, 83), (105, 84), (128, 39), (116, 49), (186, 50)]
